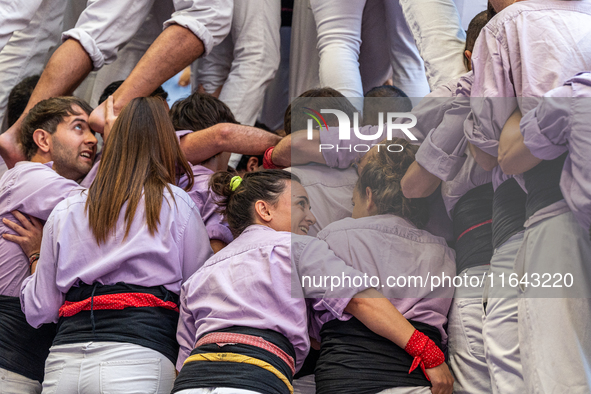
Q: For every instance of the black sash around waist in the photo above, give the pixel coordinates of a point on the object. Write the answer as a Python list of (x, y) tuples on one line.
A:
[(543, 185), (203, 374), (355, 360), (23, 349), (508, 211), (151, 327), (472, 223)]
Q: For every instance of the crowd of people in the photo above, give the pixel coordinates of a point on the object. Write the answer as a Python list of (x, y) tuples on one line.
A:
[(241, 241)]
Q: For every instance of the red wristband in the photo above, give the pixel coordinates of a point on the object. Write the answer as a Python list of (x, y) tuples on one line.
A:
[(267, 162), (425, 352)]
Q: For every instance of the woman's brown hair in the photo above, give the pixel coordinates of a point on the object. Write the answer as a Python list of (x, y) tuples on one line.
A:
[(382, 174), (141, 158)]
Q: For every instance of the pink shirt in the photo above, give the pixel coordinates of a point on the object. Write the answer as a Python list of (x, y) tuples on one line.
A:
[(70, 254), (33, 189)]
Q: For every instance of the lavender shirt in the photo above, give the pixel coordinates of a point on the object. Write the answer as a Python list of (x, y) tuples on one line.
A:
[(560, 123), (33, 189), (524, 51), (445, 153), (387, 245), (216, 225), (70, 254), (253, 282)]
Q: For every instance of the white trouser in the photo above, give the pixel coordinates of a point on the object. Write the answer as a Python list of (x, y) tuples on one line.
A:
[(277, 94), (339, 40), (13, 383), (30, 48), (107, 367), (305, 385), (407, 390), (374, 62), (555, 333), (501, 341), (15, 16), (247, 60), (466, 348), (436, 28), (128, 57)]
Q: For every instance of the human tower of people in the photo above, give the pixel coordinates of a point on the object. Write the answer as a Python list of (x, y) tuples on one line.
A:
[(149, 248)]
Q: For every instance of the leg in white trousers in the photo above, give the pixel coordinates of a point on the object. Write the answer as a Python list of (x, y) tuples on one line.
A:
[(249, 59), (466, 348), (13, 383), (501, 341), (107, 367), (555, 333)]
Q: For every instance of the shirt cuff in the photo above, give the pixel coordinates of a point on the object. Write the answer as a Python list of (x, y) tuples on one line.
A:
[(220, 232), (444, 166), (538, 144)]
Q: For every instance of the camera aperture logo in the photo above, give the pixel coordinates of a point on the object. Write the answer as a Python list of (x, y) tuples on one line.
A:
[(375, 136)]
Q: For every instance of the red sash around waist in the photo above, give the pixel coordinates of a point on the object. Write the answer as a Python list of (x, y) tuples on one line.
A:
[(115, 301)]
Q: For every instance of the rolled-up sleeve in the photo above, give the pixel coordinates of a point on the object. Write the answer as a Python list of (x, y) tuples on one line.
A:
[(545, 129), (209, 20), (443, 151), (106, 25)]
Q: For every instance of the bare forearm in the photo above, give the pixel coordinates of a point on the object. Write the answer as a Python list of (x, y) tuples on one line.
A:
[(296, 149), (418, 182), (66, 69), (226, 137), (514, 156), (379, 315), (174, 49)]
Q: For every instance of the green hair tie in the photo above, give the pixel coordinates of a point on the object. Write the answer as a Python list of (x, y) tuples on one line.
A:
[(235, 182)]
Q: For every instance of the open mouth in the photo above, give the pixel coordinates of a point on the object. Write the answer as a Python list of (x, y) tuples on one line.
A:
[(304, 229), (86, 155)]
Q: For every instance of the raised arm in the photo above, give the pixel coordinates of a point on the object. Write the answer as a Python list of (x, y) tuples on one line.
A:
[(226, 137), (418, 182)]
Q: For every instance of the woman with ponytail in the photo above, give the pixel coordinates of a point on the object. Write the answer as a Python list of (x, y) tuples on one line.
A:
[(113, 259)]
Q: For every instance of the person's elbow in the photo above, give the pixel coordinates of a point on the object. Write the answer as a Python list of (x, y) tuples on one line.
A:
[(486, 161)]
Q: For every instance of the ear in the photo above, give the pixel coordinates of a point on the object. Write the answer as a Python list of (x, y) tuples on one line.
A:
[(43, 140), (468, 55), (262, 210), (369, 199), (252, 164)]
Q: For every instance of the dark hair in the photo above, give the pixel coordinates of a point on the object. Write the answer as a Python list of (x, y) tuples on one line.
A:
[(200, 111), (474, 28), (238, 205), (19, 98), (46, 115), (317, 99), (241, 166), (490, 10), (113, 86), (382, 174), (384, 99), (141, 159)]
